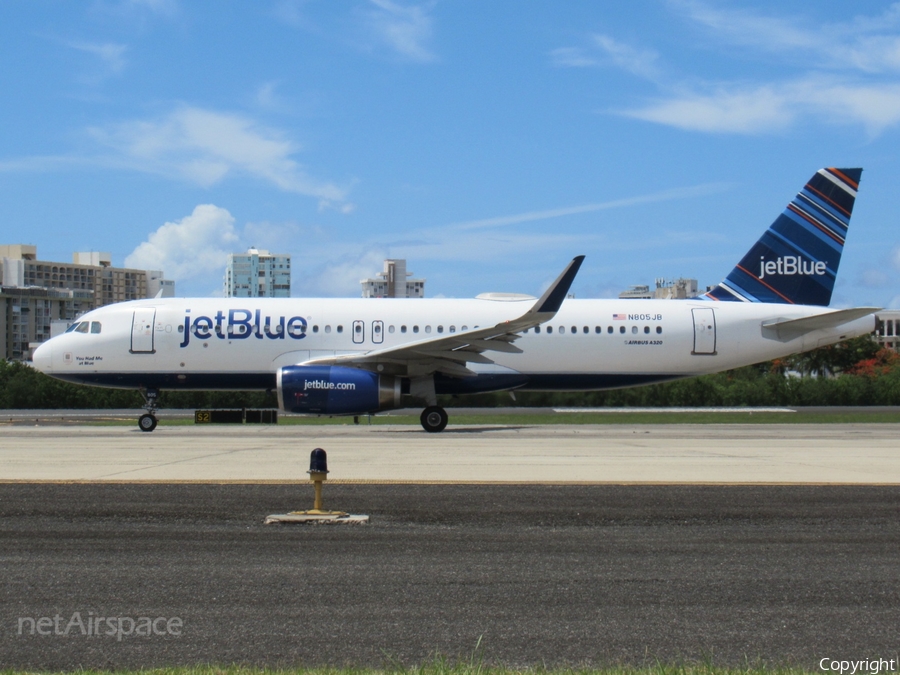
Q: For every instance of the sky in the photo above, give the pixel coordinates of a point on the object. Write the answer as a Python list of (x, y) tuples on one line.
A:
[(488, 143)]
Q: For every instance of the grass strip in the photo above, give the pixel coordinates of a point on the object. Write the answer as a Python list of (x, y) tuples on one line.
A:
[(533, 419)]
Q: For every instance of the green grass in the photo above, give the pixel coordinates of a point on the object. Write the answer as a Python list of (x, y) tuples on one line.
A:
[(622, 418), (839, 417)]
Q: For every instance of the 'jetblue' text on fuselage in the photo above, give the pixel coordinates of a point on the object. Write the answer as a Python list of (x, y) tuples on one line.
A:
[(240, 324)]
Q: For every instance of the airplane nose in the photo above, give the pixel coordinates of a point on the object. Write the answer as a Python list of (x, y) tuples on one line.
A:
[(43, 357)]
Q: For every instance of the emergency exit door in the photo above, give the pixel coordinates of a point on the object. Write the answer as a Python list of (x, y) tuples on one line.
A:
[(142, 331), (704, 331)]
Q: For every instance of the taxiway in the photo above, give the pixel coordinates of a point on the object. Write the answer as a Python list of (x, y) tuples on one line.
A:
[(708, 453)]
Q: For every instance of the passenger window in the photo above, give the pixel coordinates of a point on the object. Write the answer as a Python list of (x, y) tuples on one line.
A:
[(427, 329), (402, 329), (452, 329), (357, 328), (549, 329), (83, 327), (390, 329), (327, 329), (598, 329), (440, 329), (537, 329), (646, 329), (340, 329), (610, 330), (415, 329), (464, 328), (574, 330), (658, 330), (95, 327), (621, 329), (315, 329), (586, 330), (634, 330)]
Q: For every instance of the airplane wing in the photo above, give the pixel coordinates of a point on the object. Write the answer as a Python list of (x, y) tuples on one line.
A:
[(449, 354), (788, 329)]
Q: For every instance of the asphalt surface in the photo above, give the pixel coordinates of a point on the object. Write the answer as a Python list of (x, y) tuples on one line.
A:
[(552, 575)]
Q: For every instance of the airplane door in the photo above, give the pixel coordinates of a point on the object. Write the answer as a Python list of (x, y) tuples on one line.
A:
[(359, 332), (704, 331), (377, 332), (142, 331)]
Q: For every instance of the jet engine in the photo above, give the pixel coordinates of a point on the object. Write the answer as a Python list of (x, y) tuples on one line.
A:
[(336, 390)]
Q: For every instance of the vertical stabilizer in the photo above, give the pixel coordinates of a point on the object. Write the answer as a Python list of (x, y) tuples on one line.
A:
[(796, 260)]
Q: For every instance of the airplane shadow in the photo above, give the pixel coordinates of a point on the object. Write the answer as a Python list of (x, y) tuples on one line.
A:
[(466, 430)]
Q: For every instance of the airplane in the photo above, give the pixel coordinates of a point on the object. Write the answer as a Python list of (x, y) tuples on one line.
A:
[(363, 356)]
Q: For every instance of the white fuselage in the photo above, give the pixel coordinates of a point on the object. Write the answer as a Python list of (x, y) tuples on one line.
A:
[(590, 344)]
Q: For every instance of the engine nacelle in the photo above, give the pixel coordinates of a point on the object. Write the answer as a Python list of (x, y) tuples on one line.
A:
[(336, 390)]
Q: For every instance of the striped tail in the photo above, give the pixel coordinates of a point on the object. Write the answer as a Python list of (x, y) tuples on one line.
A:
[(796, 260)]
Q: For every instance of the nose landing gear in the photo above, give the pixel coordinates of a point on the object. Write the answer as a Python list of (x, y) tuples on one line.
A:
[(148, 421)]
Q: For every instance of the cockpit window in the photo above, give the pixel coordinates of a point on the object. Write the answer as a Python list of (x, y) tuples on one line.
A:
[(83, 327), (95, 326), (73, 326)]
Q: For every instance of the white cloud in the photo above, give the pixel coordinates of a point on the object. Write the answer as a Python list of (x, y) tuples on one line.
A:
[(406, 30), (194, 247), (869, 44), (832, 73), (773, 107), (573, 57), (722, 111), (341, 276), (165, 7), (204, 146), (265, 95), (528, 216), (605, 50), (641, 62), (111, 55)]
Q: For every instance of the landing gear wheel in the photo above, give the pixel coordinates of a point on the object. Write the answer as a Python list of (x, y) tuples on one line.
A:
[(434, 418), (147, 422)]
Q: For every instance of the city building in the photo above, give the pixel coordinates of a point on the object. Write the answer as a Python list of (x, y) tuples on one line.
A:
[(887, 328), (39, 298), (258, 274), (636, 293), (393, 282), (675, 289)]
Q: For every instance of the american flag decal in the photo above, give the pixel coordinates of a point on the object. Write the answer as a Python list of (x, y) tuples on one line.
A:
[(618, 317)]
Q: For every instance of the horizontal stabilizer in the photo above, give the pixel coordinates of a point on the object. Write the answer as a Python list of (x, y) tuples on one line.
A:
[(788, 329)]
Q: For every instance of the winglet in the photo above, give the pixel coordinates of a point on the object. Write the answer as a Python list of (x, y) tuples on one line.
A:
[(552, 299)]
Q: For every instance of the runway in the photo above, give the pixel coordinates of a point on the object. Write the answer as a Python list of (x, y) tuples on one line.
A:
[(643, 453), (556, 575), (559, 545)]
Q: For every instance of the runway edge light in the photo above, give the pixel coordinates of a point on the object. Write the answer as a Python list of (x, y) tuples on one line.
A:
[(318, 473)]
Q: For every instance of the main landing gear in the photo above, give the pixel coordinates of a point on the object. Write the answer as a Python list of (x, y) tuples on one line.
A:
[(434, 418), (148, 421)]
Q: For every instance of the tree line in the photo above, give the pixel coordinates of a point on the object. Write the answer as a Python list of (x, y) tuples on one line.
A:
[(857, 372)]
